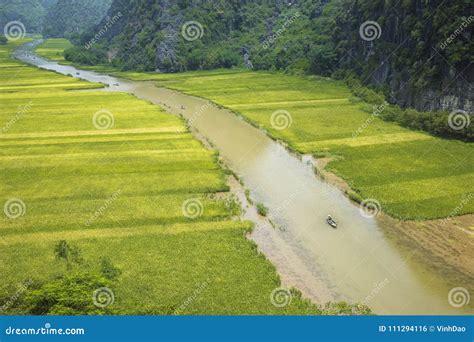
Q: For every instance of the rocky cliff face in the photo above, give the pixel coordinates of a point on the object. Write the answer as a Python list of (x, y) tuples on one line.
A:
[(419, 51), (420, 56), (68, 17), (158, 35)]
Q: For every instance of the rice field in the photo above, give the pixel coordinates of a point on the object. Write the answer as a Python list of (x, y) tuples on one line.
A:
[(119, 178), (412, 174), (53, 49)]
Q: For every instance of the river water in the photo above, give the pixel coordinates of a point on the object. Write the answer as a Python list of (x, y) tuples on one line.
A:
[(357, 262)]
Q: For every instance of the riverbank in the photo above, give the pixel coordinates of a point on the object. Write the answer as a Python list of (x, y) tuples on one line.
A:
[(299, 202), (447, 245), (118, 178)]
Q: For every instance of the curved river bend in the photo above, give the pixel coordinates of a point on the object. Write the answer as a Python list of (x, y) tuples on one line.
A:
[(356, 262)]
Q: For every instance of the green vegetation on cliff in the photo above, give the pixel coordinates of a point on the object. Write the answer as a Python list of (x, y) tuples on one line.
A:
[(405, 51), (68, 17)]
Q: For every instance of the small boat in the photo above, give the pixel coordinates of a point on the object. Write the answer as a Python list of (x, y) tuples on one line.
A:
[(331, 222)]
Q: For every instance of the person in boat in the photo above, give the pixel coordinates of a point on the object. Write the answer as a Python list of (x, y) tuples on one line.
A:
[(330, 221)]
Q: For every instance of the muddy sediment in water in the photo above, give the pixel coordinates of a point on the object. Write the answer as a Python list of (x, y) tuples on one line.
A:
[(364, 260), (446, 245)]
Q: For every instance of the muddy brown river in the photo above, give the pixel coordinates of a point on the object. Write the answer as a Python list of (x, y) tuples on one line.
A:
[(356, 262)]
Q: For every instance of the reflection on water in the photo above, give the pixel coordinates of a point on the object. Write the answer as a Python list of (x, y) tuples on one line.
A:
[(355, 262)]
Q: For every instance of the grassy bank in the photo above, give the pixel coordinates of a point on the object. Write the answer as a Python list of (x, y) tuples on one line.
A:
[(412, 174), (53, 49), (117, 178)]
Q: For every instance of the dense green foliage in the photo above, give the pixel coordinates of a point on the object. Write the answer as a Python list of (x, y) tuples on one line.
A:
[(69, 294), (434, 122), (93, 56), (410, 63), (414, 52), (68, 17), (309, 36), (29, 12), (262, 209)]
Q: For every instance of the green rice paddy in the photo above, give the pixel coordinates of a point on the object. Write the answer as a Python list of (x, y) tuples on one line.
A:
[(412, 174), (111, 174), (53, 49)]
